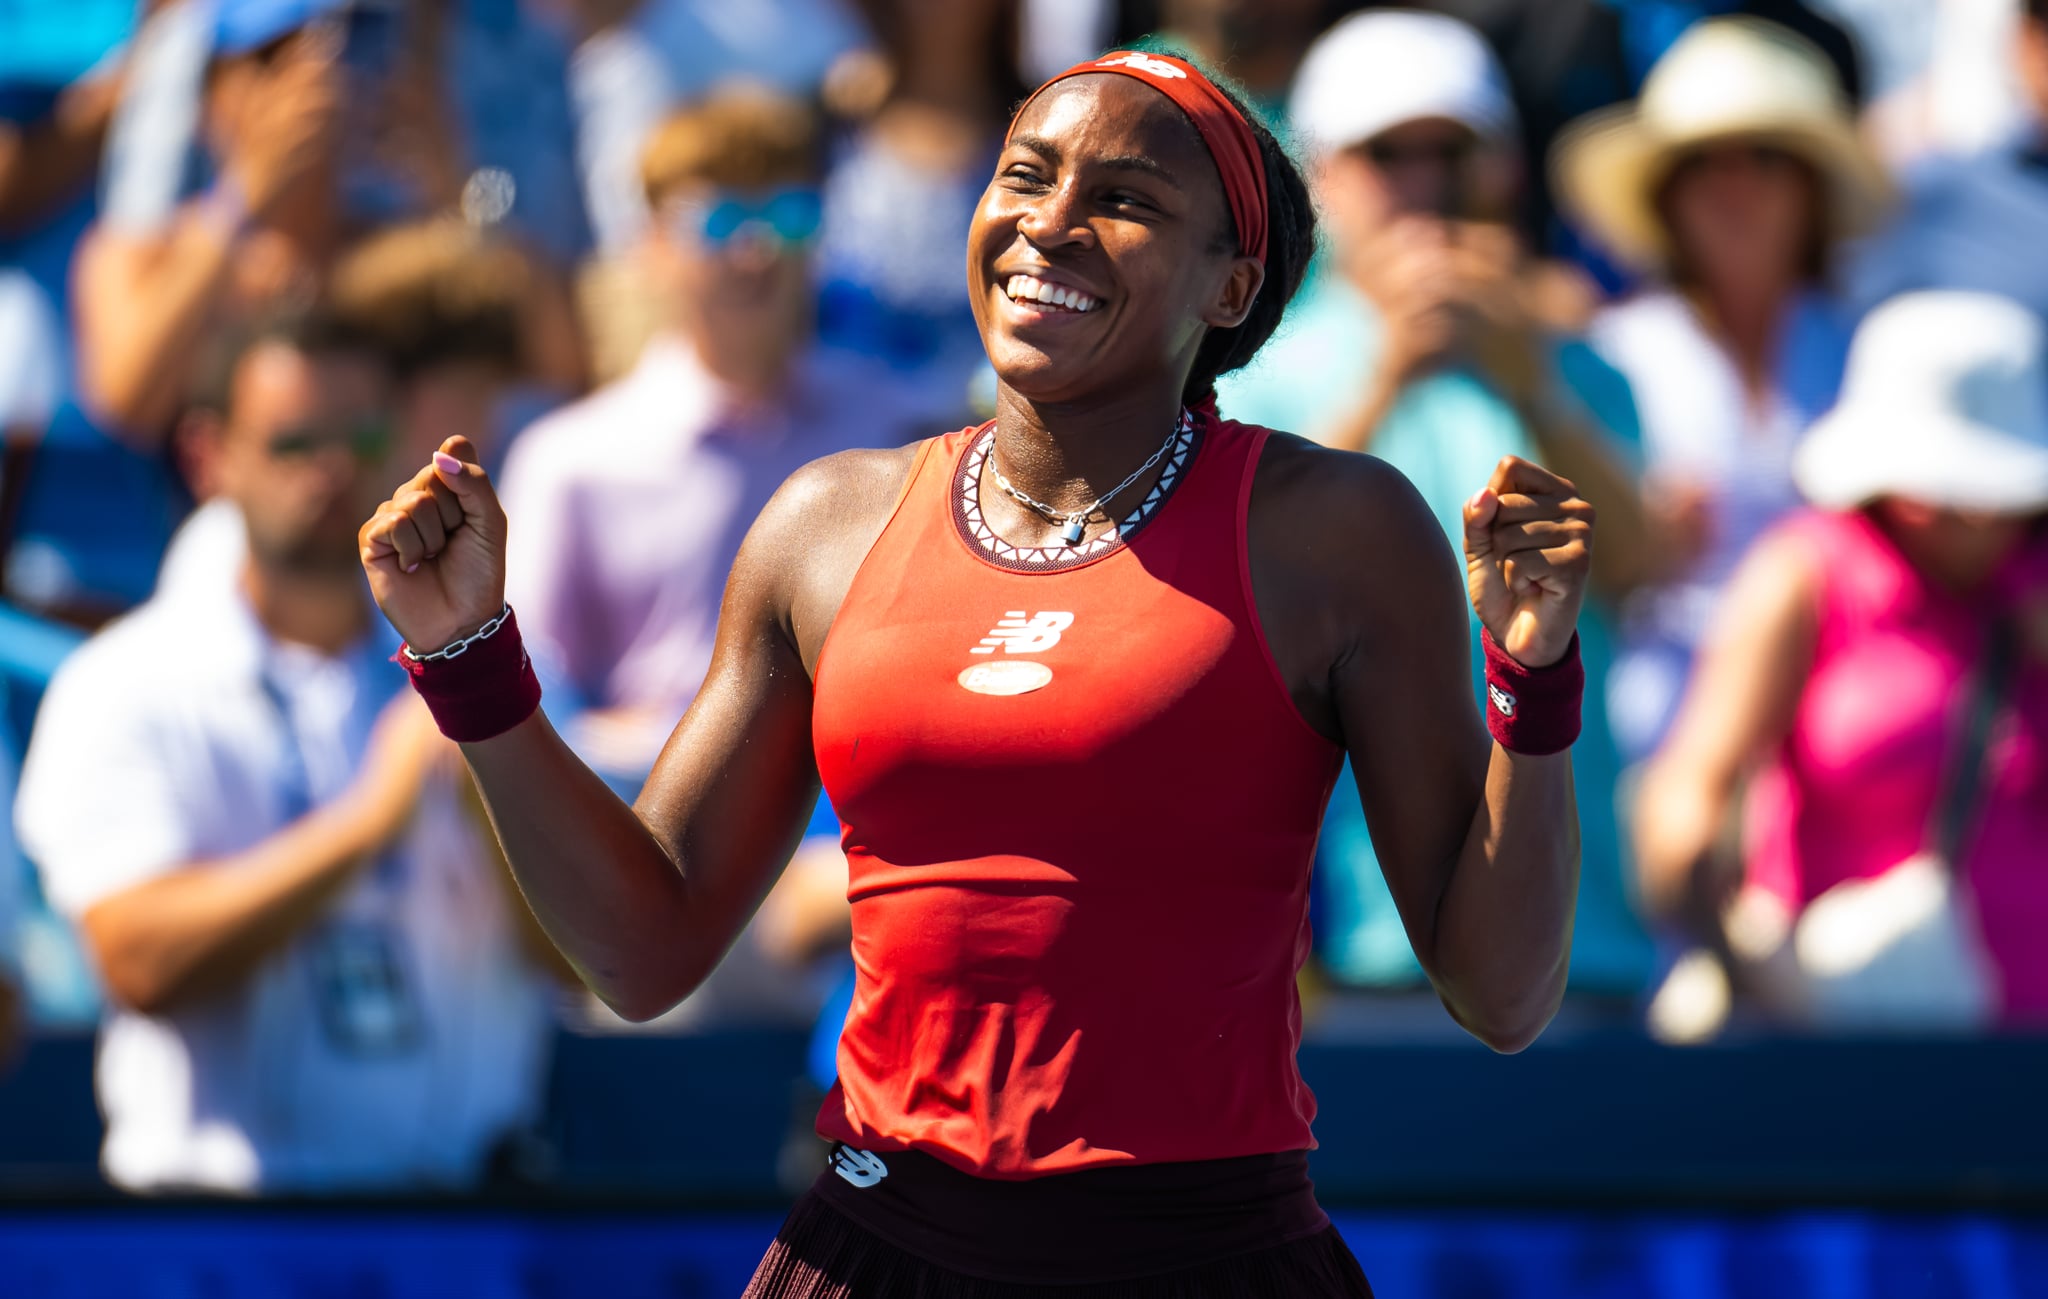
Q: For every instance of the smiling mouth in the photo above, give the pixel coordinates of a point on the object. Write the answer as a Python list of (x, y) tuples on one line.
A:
[(1049, 297)]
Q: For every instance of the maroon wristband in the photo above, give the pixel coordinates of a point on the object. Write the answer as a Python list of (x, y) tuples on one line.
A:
[(482, 692), (1533, 711)]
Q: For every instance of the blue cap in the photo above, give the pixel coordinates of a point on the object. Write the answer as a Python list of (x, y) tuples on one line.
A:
[(240, 26)]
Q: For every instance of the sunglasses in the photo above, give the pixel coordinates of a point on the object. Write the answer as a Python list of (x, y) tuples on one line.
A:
[(1445, 153), (368, 441), (788, 216)]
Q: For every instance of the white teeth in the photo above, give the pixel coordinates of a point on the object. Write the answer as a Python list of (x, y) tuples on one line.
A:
[(1026, 288)]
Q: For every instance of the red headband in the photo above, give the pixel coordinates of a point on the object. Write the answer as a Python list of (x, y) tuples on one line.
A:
[(1224, 130)]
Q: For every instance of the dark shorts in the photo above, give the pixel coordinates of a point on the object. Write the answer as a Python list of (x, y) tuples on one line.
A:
[(1230, 1229)]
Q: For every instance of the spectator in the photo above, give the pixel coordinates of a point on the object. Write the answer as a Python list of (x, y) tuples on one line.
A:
[(1844, 663), (450, 309), (629, 506), (315, 967), (901, 193), (1975, 222), (323, 119), (1734, 176), (1413, 339), (637, 61)]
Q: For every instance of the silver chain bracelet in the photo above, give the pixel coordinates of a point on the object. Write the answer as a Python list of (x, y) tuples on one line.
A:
[(456, 649)]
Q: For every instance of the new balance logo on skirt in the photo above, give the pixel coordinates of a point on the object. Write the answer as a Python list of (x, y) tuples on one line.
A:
[(1017, 634), (858, 1166)]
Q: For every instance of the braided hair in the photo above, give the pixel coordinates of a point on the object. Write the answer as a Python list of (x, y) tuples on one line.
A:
[(1290, 243)]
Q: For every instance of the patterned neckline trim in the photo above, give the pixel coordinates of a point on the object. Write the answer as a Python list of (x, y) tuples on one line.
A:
[(973, 527)]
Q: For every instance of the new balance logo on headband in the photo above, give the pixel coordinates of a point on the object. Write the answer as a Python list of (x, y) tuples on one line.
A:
[(858, 1166), (1143, 63), (1016, 634)]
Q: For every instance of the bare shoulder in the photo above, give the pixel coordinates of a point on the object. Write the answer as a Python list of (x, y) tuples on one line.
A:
[(1341, 546), (1326, 512), (812, 535)]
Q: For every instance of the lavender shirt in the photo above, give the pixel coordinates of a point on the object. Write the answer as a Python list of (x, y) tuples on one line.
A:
[(627, 509)]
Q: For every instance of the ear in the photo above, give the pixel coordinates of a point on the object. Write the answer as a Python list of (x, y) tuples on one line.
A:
[(1240, 289)]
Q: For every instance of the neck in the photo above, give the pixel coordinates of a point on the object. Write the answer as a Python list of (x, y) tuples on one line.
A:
[(323, 611), (1067, 455), (750, 375), (1748, 317)]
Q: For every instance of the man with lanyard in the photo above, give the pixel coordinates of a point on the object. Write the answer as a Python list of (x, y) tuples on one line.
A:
[(315, 972)]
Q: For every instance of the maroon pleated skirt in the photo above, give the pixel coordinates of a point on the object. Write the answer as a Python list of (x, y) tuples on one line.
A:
[(1226, 1229)]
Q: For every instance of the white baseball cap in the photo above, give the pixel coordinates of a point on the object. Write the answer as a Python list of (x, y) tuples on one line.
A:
[(1374, 71), (1945, 402)]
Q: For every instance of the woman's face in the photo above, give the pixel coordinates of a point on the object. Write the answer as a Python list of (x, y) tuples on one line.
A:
[(1105, 199), (1741, 214), (1961, 549)]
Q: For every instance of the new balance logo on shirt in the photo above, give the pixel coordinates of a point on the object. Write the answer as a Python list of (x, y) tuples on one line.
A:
[(1017, 634), (858, 1166)]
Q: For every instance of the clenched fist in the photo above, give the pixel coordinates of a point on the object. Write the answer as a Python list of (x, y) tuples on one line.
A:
[(1528, 550), (435, 551)]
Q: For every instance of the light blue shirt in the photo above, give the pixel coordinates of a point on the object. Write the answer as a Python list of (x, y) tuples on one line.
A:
[(1445, 432)]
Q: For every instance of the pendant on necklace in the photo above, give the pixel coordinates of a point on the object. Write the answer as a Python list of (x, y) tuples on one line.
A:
[(1071, 534)]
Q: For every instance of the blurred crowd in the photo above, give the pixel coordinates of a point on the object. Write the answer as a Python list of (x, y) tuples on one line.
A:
[(1764, 278)]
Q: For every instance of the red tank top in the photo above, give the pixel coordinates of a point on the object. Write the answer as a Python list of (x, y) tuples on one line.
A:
[(1079, 808)]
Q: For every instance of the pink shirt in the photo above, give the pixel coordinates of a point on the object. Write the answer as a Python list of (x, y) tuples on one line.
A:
[(1851, 791)]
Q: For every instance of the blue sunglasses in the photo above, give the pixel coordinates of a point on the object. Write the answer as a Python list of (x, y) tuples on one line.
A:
[(791, 216)]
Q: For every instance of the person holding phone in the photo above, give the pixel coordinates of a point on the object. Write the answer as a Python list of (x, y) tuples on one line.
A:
[(1420, 337)]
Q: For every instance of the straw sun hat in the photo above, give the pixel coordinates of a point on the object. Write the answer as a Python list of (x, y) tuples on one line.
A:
[(1945, 402), (1726, 79)]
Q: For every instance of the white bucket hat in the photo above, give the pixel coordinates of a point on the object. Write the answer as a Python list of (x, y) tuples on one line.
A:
[(1945, 402), (1374, 71), (1726, 79)]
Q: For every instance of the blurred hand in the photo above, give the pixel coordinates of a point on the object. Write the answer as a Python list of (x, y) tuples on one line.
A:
[(1528, 550), (406, 753), (291, 129), (1410, 272), (1498, 329), (435, 552), (1678, 518)]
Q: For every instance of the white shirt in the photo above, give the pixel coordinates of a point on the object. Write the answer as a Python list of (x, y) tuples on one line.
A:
[(159, 747)]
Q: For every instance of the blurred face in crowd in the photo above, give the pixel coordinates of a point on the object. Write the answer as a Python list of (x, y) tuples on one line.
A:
[(1742, 216), (269, 111), (2032, 51), (1244, 25), (1102, 246), (736, 264), (1960, 549), (1430, 167), (305, 454)]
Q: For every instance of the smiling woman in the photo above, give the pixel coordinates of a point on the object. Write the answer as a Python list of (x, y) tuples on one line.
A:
[(1079, 683)]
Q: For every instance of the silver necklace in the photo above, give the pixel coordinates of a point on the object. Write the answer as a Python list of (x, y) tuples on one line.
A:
[(1074, 524)]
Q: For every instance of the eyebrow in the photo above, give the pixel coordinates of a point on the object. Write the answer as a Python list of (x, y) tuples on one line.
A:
[(1045, 148)]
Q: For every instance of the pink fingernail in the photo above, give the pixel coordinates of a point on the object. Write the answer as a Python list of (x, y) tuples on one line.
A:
[(1478, 499), (413, 568), (447, 464)]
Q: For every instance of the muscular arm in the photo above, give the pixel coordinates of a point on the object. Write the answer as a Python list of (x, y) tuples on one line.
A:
[(1741, 701), (644, 900), (1367, 615), (207, 927)]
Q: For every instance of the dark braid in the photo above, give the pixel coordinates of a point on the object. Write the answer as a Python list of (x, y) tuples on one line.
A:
[(1290, 243)]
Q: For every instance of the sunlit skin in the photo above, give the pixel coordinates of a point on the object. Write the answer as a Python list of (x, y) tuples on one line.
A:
[(1107, 190)]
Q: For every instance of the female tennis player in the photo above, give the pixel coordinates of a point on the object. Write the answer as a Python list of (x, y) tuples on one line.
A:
[(1079, 683)]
